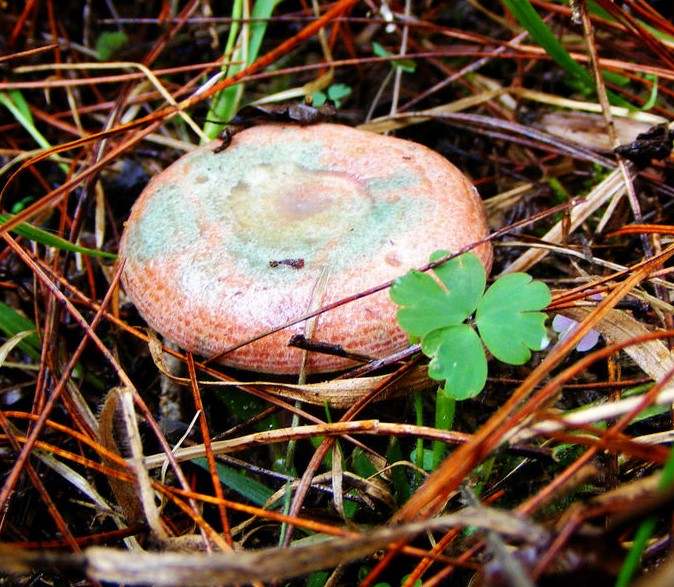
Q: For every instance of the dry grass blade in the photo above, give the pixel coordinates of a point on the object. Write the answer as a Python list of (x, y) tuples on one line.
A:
[(175, 569), (610, 188), (337, 393), (392, 122), (617, 326), (75, 479), (137, 501), (124, 492), (205, 434), (10, 343), (89, 329), (513, 569), (373, 427)]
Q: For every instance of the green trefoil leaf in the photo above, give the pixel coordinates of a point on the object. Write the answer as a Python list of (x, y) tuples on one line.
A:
[(458, 357), (427, 305), (509, 318)]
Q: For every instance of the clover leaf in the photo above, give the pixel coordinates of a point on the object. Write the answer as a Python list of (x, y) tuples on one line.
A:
[(507, 318), (428, 305), (457, 356), (336, 93), (434, 307)]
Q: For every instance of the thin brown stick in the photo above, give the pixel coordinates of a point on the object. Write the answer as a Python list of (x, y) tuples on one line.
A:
[(206, 437)]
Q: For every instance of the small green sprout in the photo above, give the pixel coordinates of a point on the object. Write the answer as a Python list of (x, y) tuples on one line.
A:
[(109, 43), (507, 317), (336, 93), (406, 65)]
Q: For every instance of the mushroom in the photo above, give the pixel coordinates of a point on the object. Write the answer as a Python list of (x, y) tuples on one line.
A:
[(226, 244)]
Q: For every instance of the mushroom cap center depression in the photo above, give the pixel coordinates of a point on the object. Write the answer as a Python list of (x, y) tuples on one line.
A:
[(284, 204)]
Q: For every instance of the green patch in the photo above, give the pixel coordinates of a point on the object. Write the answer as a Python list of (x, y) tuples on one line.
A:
[(406, 65), (336, 93), (579, 78), (109, 43), (248, 195), (43, 237)]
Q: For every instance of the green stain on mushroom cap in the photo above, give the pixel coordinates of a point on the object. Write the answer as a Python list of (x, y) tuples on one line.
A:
[(167, 222), (202, 183), (396, 181), (260, 204)]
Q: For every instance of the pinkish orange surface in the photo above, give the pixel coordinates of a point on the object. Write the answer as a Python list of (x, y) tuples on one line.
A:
[(222, 246)]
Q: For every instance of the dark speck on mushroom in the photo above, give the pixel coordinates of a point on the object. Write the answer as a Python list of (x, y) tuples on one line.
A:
[(294, 263)]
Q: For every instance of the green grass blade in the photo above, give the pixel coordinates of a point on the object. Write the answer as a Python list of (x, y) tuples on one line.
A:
[(653, 98), (237, 12), (633, 558), (262, 10), (225, 104), (19, 109), (222, 105), (580, 78), (645, 530), (594, 8), (17, 99), (11, 323), (529, 19), (46, 238), (445, 409), (419, 411), (401, 484), (249, 488)]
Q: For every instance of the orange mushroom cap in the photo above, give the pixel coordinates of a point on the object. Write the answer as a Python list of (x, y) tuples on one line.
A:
[(223, 246)]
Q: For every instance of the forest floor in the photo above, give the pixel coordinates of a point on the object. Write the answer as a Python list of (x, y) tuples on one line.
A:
[(558, 472)]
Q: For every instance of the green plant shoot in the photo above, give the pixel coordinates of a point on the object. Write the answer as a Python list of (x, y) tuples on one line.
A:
[(51, 240), (20, 110), (336, 93), (507, 316), (406, 65), (109, 43)]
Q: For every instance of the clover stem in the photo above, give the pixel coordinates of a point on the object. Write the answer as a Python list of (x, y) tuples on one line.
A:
[(419, 412), (445, 408)]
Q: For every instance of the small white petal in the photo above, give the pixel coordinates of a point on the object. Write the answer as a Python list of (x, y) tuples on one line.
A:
[(588, 341), (562, 324)]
